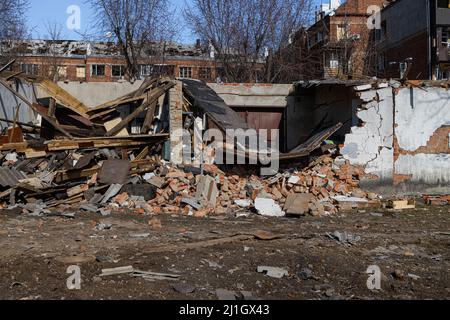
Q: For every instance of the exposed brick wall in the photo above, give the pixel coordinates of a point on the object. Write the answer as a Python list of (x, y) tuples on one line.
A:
[(438, 143), (44, 63), (415, 47)]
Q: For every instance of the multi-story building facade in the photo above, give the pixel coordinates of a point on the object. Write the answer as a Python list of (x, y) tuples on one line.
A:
[(341, 39), (415, 40), (102, 61)]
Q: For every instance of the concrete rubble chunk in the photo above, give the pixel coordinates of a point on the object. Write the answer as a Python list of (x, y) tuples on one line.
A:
[(298, 204), (112, 191), (273, 272), (268, 208), (243, 203), (207, 190)]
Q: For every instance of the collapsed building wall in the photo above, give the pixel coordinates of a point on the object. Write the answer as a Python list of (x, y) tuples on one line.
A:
[(403, 139)]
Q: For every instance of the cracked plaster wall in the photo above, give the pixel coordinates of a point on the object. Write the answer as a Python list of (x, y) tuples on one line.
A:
[(419, 115), (371, 144)]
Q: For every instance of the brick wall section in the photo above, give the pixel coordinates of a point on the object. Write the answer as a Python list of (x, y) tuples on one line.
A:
[(438, 143), (71, 64), (415, 47), (176, 123)]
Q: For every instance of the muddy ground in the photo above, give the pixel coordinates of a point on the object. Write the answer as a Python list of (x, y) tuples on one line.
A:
[(412, 249)]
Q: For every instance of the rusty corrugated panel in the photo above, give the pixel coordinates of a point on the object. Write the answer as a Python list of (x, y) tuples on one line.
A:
[(10, 177), (262, 120)]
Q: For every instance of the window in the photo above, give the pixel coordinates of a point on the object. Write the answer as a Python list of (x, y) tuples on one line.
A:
[(185, 72), (341, 32), (98, 70), (444, 4), (118, 71), (62, 71), (30, 69), (445, 37), (205, 73), (81, 72), (147, 70), (319, 37)]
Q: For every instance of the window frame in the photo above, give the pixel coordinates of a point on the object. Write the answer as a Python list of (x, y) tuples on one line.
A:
[(95, 66), (189, 72), (121, 68)]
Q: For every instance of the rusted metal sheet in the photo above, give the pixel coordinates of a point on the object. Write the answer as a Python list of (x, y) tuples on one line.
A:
[(262, 120)]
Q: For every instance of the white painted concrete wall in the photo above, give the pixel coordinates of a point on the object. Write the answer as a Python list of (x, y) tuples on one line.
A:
[(259, 95), (371, 145), (418, 114), (93, 94)]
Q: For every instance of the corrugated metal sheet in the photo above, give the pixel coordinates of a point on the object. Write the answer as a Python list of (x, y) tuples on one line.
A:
[(9, 103), (10, 177)]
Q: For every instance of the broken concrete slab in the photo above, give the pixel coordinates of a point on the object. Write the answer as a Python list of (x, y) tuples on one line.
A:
[(194, 203), (207, 190), (112, 191), (268, 208)]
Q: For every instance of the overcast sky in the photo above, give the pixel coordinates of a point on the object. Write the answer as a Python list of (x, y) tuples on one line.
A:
[(55, 11)]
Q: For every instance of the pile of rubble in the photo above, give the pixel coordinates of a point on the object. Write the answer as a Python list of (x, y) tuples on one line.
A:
[(325, 187), (109, 158), (103, 181)]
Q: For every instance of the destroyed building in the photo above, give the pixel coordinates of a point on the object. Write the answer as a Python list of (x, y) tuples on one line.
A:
[(337, 145), (88, 61)]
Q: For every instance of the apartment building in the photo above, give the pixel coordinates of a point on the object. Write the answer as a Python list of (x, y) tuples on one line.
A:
[(341, 39)]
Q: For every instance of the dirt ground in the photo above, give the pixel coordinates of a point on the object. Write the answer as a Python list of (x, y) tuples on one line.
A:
[(412, 249)]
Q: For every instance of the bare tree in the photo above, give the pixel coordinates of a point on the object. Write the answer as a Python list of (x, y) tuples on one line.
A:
[(134, 24), (54, 33), (12, 13), (12, 27), (245, 32)]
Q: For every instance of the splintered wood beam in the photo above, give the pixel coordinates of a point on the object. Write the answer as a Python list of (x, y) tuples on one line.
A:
[(28, 103), (152, 98), (52, 108), (6, 66), (149, 118)]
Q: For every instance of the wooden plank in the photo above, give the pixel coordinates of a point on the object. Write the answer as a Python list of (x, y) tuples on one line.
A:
[(32, 106), (149, 118), (63, 97), (142, 155), (109, 125), (52, 108), (152, 98), (6, 66)]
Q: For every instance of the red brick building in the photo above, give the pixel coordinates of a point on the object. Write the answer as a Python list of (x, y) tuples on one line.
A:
[(343, 40), (102, 62), (415, 38)]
